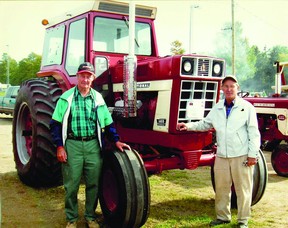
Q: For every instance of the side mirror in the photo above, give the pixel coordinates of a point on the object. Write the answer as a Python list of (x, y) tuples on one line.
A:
[(101, 65)]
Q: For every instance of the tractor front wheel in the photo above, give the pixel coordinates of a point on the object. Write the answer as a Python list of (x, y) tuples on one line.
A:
[(124, 190), (279, 160)]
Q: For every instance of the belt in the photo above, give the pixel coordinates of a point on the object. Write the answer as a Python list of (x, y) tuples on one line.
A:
[(78, 138)]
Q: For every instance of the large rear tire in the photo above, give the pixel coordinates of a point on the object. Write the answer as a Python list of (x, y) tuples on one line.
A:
[(34, 151), (124, 190), (279, 160), (260, 179)]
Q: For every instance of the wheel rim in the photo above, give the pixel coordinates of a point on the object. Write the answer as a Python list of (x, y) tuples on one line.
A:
[(24, 134), (260, 179), (110, 195)]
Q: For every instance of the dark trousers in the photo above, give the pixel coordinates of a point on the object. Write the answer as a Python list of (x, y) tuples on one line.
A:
[(83, 158)]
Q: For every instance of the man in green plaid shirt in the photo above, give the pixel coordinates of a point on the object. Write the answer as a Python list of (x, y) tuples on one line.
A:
[(78, 123), (83, 120)]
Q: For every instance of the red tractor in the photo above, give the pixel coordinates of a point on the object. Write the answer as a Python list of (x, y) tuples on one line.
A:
[(272, 115), (147, 95)]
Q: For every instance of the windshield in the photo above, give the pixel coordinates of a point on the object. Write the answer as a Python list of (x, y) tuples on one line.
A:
[(112, 35)]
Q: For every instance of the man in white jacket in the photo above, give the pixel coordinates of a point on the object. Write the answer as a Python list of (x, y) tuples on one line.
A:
[(238, 144)]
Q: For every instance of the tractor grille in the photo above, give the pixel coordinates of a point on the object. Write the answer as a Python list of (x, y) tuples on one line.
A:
[(192, 66), (196, 99), (203, 67)]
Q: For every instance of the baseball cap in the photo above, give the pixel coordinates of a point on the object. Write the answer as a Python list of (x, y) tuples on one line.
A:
[(232, 77), (86, 67)]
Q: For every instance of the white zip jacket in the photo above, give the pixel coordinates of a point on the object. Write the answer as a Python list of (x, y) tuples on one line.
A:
[(236, 135)]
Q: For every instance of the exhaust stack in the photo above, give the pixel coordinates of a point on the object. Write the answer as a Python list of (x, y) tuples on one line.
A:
[(130, 65), (278, 79)]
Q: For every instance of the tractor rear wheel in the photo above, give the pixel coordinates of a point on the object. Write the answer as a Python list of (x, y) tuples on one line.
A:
[(279, 160), (34, 151), (124, 190), (260, 179)]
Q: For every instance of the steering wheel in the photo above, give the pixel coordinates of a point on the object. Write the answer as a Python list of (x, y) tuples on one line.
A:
[(243, 93)]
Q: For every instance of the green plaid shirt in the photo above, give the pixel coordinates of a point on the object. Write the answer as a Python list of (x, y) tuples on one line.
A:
[(83, 116)]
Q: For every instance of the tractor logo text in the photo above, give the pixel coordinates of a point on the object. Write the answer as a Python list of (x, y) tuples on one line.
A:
[(264, 105), (143, 85), (161, 122), (282, 117)]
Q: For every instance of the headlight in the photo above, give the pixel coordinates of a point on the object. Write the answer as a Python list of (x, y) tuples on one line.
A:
[(187, 66), (217, 68)]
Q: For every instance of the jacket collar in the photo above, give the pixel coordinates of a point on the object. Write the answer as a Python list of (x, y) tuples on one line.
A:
[(223, 102), (230, 105)]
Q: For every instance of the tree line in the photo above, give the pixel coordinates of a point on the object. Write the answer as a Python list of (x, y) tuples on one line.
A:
[(254, 68), (19, 71)]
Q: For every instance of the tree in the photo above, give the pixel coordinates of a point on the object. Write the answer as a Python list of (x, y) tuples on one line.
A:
[(3, 68), (176, 48), (243, 65), (264, 76), (19, 72), (27, 68), (254, 68), (261, 79)]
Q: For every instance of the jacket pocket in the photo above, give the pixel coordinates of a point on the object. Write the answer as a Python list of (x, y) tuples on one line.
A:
[(241, 134)]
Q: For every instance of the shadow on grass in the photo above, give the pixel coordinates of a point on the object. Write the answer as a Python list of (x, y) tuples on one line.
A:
[(179, 209), (23, 206), (274, 178), (191, 212), (196, 179), (6, 120)]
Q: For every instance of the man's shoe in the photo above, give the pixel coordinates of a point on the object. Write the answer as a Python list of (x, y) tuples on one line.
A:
[(71, 225), (92, 224), (242, 225), (218, 222)]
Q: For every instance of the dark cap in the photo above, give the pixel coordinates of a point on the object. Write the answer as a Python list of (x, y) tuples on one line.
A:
[(86, 67), (233, 78)]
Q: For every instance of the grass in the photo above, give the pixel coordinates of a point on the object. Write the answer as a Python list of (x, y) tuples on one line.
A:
[(179, 199)]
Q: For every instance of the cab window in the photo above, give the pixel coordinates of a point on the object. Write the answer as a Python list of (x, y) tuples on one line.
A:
[(76, 46)]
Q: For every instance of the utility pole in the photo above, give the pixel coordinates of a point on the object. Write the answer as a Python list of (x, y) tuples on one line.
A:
[(190, 26), (233, 38), (8, 66)]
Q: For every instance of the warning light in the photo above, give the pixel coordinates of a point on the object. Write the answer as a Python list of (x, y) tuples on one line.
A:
[(45, 22)]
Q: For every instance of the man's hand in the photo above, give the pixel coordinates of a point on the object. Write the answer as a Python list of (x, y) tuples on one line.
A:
[(251, 161), (181, 127), (61, 154), (121, 146)]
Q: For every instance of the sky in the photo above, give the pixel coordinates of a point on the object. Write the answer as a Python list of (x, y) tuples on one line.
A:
[(264, 22)]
